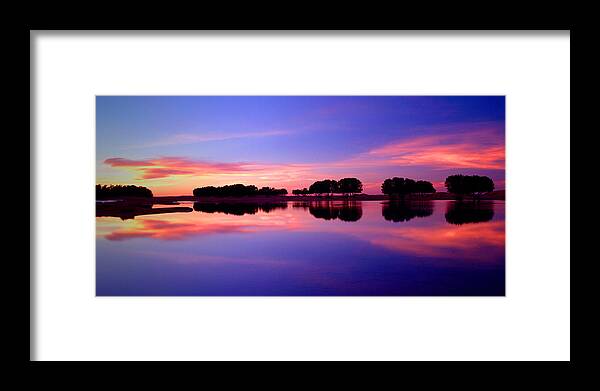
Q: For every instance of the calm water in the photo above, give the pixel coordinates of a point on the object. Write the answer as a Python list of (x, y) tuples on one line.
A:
[(326, 248)]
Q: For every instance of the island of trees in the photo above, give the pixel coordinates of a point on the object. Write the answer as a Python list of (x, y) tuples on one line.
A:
[(106, 192), (237, 190), (402, 186), (345, 186), (459, 186), (129, 201), (473, 185)]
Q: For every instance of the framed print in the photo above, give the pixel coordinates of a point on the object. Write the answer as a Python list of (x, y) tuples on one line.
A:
[(281, 196)]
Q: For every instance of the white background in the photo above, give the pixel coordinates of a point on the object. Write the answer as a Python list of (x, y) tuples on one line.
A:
[(531, 323)]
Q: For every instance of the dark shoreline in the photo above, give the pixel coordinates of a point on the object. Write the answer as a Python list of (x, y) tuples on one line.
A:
[(498, 195), (128, 208)]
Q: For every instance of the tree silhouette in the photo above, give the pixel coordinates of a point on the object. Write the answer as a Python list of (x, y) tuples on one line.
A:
[(424, 187), (271, 191), (402, 186), (327, 186), (104, 192), (300, 191), (473, 185), (350, 186)]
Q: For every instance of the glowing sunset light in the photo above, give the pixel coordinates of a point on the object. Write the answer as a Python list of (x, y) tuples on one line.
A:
[(291, 142)]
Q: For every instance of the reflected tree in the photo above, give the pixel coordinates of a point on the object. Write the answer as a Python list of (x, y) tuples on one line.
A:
[(400, 211), (238, 209), (459, 213), (349, 211)]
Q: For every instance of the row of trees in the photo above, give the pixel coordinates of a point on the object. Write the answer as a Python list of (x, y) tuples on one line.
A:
[(345, 186), (236, 190), (404, 186), (473, 185), (106, 192), (461, 185)]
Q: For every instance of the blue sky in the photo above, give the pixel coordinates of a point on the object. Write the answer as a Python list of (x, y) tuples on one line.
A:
[(172, 144)]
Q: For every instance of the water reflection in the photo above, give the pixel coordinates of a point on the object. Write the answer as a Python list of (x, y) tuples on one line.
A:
[(332, 210), (238, 209), (399, 211), (459, 213), (306, 248), (128, 211)]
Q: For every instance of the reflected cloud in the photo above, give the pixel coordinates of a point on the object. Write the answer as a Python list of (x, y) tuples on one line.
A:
[(466, 242), (188, 225), (167, 230)]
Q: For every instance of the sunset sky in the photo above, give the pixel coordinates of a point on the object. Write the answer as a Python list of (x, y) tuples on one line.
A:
[(173, 144)]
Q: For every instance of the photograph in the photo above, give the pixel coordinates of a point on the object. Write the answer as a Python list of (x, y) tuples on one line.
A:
[(293, 195)]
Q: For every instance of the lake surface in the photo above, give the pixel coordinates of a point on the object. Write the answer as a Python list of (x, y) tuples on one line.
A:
[(334, 248)]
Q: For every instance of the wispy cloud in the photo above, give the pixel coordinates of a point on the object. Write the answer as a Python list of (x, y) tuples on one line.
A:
[(191, 138)]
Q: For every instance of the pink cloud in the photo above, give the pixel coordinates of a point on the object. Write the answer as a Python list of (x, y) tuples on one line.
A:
[(478, 150), (172, 166), (186, 225)]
